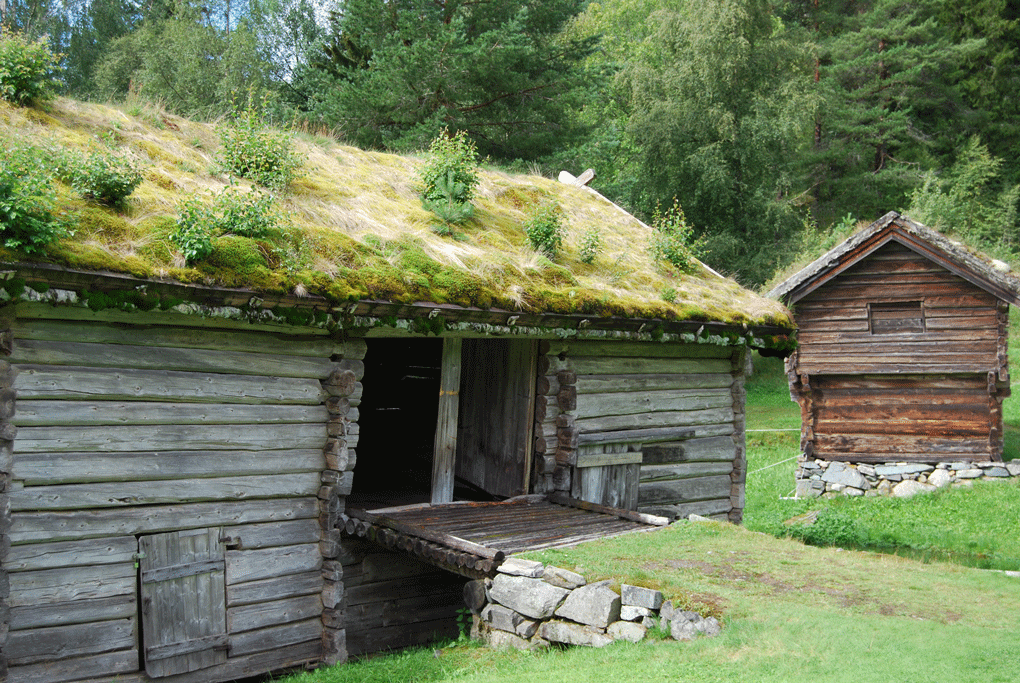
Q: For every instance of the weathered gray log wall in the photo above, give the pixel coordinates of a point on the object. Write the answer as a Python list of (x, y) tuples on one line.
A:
[(392, 600), (653, 427), (209, 463), (900, 360)]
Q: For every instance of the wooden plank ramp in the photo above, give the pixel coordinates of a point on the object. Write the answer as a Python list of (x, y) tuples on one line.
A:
[(473, 538)]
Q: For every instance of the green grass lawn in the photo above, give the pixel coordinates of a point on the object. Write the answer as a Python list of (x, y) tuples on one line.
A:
[(791, 612), (978, 526)]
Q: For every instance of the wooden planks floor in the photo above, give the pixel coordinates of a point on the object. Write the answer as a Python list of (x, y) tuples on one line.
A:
[(514, 526)]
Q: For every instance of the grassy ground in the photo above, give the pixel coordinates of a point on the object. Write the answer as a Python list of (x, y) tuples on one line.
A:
[(791, 612), (976, 526)]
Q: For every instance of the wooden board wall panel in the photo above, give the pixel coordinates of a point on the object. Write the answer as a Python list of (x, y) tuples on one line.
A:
[(266, 563), (275, 588), (116, 550), (612, 485), (58, 413), (114, 664), (256, 536), (601, 384), (66, 584), (102, 355), (248, 341), (100, 495), (79, 611), (951, 449), (683, 490), (408, 612), (653, 420), (35, 645), (687, 470), (273, 613), (169, 438), (631, 403), (616, 349), (713, 448), (630, 366), (918, 411), (273, 637), (397, 637), (41, 469), (945, 428), (34, 527), (704, 508), (78, 383)]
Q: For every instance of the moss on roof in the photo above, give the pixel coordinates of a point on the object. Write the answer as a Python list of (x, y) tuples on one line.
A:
[(361, 232)]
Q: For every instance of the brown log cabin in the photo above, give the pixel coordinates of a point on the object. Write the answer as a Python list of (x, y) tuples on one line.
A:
[(206, 482), (902, 348)]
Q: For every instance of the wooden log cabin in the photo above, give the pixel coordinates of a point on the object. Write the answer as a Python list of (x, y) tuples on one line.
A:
[(902, 348), (215, 470)]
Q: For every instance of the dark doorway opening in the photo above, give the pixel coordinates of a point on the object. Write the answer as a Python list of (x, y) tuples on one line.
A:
[(397, 422)]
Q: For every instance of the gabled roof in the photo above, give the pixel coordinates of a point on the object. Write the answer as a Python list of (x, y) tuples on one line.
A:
[(990, 275)]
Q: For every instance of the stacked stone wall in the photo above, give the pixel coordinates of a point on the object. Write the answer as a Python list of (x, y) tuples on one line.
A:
[(898, 479), (529, 605)]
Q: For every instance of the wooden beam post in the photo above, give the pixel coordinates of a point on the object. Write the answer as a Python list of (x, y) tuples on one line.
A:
[(445, 451)]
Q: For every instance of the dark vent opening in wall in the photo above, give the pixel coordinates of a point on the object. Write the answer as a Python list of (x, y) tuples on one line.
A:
[(897, 317)]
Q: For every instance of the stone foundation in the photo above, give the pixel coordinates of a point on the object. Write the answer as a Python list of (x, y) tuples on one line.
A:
[(529, 605), (902, 480)]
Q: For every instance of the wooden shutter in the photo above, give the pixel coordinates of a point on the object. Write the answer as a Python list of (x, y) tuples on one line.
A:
[(184, 619)]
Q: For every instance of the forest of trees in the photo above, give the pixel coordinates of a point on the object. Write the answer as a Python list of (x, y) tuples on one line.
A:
[(768, 120)]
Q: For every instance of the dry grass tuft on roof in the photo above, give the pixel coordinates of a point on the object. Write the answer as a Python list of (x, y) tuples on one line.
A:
[(360, 231)]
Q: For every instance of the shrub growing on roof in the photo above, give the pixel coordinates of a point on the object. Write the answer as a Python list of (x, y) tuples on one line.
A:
[(28, 71)]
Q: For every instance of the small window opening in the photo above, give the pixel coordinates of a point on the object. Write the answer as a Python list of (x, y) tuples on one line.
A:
[(898, 317)]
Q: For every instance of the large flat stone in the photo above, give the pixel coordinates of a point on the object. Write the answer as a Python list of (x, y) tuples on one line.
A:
[(626, 630), (640, 597), (838, 473), (594, 605), (569, 633), (502, 618), (910, 488), (534, 598), (518, 567), (902, 470), (564, 578)]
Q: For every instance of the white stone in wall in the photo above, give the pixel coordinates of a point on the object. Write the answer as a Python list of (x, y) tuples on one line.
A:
[(533, 598), (569, 633), (518, 567), (564, 578), (641, 597), (595, 605), (634, 613), (973, 473), (940, 478), (626, 630), (910, 488)]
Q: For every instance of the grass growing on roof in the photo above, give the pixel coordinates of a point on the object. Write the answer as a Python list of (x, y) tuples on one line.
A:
[(345, 195)]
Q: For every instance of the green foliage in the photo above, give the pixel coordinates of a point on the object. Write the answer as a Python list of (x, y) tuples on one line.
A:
[(27, 200), (105, 177), (446, 206), (668, 294), (544, 229), (453, 160), (673, 239), (967, 199), (395, 74), (448, 179), (720, 99), (591, 245), (254, 150), (232, 213), (28, 70)]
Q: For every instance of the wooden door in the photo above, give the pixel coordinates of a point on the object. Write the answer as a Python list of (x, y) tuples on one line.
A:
[(496, 419), (184, 619)]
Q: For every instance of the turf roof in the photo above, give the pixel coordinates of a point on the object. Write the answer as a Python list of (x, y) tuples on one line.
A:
[(361, 232)]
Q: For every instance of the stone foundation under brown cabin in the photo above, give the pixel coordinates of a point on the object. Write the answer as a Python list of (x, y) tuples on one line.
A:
[(898, 479)]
